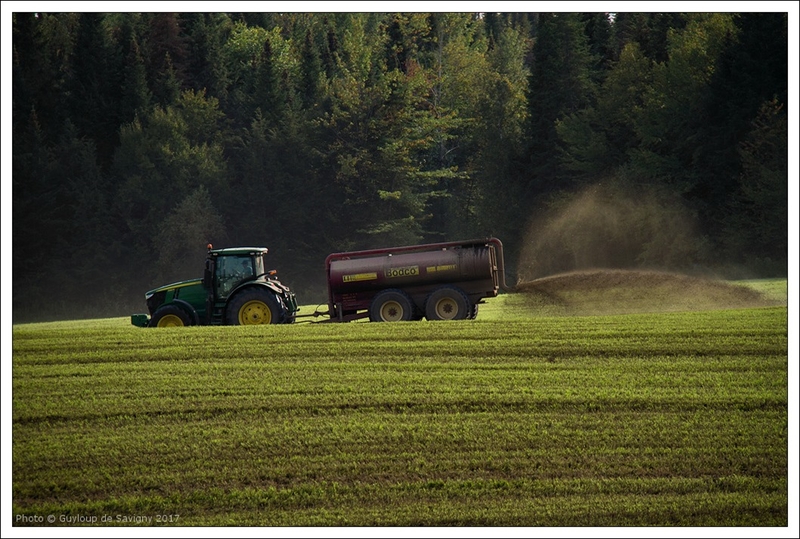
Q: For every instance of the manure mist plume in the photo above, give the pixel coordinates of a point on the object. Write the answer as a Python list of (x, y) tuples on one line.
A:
[(611, 249), (611, 226)]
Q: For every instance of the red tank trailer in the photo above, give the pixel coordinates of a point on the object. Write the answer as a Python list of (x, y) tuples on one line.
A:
[(437, 281)]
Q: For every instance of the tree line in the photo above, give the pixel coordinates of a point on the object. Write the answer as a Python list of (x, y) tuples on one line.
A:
[(138, 138)]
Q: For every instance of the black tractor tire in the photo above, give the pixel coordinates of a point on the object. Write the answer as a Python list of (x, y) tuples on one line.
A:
[(255, 306), (448, 303), (391, 305), (170, 316)]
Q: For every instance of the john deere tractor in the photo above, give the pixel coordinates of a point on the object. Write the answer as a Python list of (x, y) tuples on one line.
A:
[(236, 289)]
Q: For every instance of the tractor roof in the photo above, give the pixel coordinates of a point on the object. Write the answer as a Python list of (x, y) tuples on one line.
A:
[(240, 251)]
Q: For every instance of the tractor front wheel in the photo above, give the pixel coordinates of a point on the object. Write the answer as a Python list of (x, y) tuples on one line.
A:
[(170, 316), (254, 307)]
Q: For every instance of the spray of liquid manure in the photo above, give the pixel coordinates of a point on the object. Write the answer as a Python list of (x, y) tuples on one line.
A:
[(617, 249)]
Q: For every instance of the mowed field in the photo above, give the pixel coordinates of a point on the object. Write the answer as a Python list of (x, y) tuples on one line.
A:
[(531, 415)]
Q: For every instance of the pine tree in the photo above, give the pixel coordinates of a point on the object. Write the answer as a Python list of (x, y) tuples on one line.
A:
[(167, 86), (757, 228), (167, 47), (501, 120), (561, 84), (43, 46), (310, 72), (206, 36), (674, 112), (750, 71), (94, 87), (598, 139), (136, 96), (649, 30)]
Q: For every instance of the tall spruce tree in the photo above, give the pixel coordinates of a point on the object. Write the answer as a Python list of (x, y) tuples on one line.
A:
[(562, 82), (136, 96), (95, 86), (756, 230)]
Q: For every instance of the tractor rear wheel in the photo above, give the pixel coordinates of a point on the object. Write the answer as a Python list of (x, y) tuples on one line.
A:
[(391, 306), (256, 306), (448, 303), (170, 316)]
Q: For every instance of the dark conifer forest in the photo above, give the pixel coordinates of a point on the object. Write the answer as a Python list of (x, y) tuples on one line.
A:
[(630, 140)]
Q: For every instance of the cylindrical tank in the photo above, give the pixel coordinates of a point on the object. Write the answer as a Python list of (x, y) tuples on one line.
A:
[(475, 266), (412, 269)]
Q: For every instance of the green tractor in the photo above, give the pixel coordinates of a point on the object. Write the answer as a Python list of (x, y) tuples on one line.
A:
[(236, 289)]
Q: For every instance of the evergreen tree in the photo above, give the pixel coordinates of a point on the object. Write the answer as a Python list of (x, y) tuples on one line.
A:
[(561, 84), (600, 30), (266, 93), (43, 46), (757, 220), (167, 86), (206, 36), (750, 71), (94, 87), (136, 96), (34, 210), (263, 73), (167, 47), (598, 139), (310, 72), (674, 112), (61, 220), (501, 122), (650, 30)]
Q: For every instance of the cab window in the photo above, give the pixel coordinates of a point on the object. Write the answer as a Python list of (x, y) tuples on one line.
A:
[(231, 271)]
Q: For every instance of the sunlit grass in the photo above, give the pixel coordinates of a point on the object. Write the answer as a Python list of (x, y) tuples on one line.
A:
[(514, 419)]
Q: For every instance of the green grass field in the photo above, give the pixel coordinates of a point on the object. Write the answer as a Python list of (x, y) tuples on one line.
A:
[(514, 419)]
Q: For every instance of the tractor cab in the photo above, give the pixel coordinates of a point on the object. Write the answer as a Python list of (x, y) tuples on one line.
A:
[(227, 269)]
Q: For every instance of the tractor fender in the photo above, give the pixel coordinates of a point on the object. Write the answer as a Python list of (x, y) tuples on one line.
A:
[(278, 291), (189, 310)]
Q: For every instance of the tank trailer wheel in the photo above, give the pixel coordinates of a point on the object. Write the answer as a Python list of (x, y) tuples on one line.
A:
[(391, 306), (448, 303), (254, 307), (170, 316)]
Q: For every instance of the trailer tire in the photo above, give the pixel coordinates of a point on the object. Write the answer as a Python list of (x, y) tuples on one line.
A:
[(391, 306), (448, 303), (170, 316), (254, 306)]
